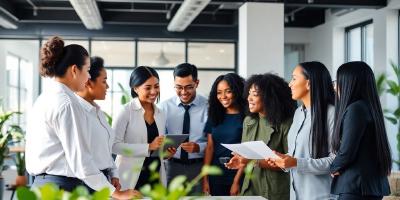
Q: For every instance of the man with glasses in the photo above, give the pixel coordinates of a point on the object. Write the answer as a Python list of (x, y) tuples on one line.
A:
[(186, 113)]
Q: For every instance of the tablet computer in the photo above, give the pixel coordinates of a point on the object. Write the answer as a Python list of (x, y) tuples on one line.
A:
[(175, 140)]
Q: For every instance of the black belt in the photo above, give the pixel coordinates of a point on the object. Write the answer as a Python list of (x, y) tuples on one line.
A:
[(187, 162), (106, 172), (66, 178)]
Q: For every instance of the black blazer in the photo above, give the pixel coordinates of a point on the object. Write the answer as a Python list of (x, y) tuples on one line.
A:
[(356, 160)]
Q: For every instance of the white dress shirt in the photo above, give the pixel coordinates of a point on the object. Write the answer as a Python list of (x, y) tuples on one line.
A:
[(175, 112), (58, 140), (102, 137), (131, 143)]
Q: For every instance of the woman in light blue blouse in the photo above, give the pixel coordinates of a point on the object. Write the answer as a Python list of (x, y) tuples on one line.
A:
[(309, 158)]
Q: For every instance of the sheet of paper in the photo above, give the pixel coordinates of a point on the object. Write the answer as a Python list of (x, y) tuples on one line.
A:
[(252, 150)]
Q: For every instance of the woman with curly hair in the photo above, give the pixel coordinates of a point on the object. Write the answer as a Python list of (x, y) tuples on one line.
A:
[(225, 119), (271, 110)]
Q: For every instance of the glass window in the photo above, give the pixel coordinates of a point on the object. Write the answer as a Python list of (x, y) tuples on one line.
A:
[(83, 43), (355, 44), (369, 44), (18, 77), (161, 54), (212, 55), (294, 54), (207, 78), (115, 53), (112, 104), (360, 42), (166, 84)]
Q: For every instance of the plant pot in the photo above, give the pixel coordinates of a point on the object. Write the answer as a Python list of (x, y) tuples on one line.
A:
[(21, 181), (394, 183), (1, 187)]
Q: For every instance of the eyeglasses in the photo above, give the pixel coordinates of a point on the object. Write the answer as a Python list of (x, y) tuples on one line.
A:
[(186, 88)]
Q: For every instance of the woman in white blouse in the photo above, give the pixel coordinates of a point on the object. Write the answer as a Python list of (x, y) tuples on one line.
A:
[(139, 130), (57, 142), (102, 136)]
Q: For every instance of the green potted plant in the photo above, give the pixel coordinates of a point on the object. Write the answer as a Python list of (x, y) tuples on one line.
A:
[(18, 138), (392, 87), (5, 137)]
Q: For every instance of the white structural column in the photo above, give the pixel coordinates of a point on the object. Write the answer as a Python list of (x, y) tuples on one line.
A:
[(261, 38)]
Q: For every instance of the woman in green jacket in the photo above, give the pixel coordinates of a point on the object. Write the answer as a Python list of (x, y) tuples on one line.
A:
[(271, 110)]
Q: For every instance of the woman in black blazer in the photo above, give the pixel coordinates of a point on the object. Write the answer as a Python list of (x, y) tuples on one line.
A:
[(363, 160)]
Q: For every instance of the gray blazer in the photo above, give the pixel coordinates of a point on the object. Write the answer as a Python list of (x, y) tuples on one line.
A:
[(311, 179)]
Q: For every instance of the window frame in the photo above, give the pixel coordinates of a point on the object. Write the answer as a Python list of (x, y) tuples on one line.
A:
[(363, 25), (18, 87)]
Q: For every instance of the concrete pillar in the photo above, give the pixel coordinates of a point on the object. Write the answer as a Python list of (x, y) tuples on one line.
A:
[(261, 38)]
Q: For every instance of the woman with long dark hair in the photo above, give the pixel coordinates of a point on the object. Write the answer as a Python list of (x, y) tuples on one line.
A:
[(139, 130), (271, 110), (225, 125), (363, 159), (308, 159)]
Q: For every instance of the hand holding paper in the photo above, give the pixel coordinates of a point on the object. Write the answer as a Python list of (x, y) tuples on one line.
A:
[(255, 150)]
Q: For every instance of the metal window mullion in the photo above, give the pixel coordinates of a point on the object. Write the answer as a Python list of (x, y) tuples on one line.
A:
[(136, 52), (186, 51), (19, 89), (363, 43), (90, 46), (347, 46), (40, 77), (112, 92)]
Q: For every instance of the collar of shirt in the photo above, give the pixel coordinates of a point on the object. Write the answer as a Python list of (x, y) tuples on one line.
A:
[(306, 111), (136, 105), (86, 105), (196, 101), (61, 87)]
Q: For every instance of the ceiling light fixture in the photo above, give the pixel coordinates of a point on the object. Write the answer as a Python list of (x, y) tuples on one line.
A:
[(161, 60), (188, 11), (89, 13), (6, 23)]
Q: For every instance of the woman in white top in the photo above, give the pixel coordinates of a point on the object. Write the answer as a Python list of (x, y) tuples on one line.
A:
[(139, 130), (102, 134), (57, 142)]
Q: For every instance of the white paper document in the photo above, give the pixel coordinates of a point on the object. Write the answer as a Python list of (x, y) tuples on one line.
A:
[(256, 150)]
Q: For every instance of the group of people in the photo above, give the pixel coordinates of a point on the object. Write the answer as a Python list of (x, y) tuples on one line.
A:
[(333, 145)]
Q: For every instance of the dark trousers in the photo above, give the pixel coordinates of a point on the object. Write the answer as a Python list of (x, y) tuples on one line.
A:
[(219, 189), (65, 183), (358, 197), (191, 170), (145, 173)]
